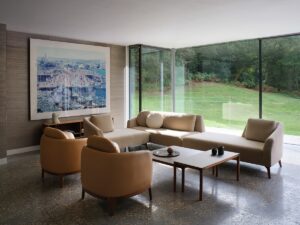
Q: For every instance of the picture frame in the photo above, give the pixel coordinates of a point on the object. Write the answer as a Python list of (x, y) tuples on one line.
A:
[(69, 79)]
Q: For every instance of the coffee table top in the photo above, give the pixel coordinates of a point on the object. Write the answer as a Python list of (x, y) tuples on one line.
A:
[(204, 160), (184, 152)]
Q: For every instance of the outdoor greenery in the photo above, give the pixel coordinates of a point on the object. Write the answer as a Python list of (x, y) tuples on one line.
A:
[(207, 99)]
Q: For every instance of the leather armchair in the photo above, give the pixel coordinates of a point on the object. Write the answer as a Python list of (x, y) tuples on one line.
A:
[(60, 153), (108, 174)]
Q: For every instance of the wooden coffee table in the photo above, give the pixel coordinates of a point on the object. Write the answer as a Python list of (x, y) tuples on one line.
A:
[(203, 160)]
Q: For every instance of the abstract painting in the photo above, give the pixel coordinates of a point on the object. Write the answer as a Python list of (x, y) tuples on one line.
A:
[(69, 79)]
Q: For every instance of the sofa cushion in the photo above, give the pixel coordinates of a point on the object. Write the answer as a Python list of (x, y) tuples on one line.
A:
[(259, 130), (180, 122), (102, 144), (55, 133), (250, 151), (127, 137), (164, 136), (154, 120), (69, 135), (141, 118), (103, 121)]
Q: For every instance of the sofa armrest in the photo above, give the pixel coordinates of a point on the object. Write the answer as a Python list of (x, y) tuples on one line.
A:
[(199, 124), (273, 146), (90, 129), (131, 123)]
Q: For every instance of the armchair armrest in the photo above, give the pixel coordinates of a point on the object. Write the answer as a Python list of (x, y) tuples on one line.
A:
[(90, 129), (131, 123), (273, 146)]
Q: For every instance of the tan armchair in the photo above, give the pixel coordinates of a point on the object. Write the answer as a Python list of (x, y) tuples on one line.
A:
[(60, 153), (108, 174)]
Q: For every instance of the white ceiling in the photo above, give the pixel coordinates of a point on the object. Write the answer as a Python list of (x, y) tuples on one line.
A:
[(165, 23)]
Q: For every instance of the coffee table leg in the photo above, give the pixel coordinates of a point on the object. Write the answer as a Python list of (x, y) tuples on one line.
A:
[(201, 185), (174, 179), (238, 168), (182, 179), (217, 171)]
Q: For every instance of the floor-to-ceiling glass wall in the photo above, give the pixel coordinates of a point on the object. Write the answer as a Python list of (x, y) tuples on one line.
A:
[(219, 82), (150, 79), (134, 68), (222, 81), (281, 81), (156, 79)]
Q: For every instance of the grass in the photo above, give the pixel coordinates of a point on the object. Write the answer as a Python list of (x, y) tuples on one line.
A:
[(225, 106)]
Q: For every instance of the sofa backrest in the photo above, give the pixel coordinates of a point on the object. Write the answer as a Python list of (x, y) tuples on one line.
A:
[(102, 144), (175, 121), (259, 129)]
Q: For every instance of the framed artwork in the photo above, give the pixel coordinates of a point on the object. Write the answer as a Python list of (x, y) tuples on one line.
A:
[(69, 79)]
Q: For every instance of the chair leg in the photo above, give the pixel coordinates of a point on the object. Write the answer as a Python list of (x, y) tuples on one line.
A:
[(280, 164), (111, 205), (82, 194), (269, 171), (61, 178), (150, 194), (43, 175)]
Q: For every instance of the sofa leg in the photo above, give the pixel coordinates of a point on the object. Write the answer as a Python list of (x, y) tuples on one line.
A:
[(82, 194), (150, 194), (269, 171), (280, 164), (111, 205)]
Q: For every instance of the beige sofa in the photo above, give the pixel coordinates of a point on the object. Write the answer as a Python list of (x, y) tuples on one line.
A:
[(171, 129), (102, 125), (261, 142)]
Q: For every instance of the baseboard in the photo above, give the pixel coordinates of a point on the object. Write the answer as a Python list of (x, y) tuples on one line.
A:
[(3, 161), (22, 150)]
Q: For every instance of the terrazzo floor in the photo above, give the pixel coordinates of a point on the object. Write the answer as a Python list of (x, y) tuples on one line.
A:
[(253, 200)]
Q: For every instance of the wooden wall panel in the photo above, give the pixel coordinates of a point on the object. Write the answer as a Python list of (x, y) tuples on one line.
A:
[(20, 131), (2, 89)]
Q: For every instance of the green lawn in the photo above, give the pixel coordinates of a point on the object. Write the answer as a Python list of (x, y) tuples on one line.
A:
[(226, 106)]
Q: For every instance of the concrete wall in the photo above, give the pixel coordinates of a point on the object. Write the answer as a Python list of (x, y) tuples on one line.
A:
[(19, 131)]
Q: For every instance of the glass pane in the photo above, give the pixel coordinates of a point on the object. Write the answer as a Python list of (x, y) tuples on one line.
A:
[(281, 81), (156, 79), (133, 81), (219, 82)]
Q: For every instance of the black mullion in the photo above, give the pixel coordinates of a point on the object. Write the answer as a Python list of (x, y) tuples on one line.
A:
[(140, 78), (260, 76)]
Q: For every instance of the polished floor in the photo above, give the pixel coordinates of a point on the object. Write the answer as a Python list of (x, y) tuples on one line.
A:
[(253, 200)]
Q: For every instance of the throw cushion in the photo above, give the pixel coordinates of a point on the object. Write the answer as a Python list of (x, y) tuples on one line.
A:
[(154, 120), (259, 130), (180, 122), (141, 118), (103, 122), (54, 133), (102, 144)]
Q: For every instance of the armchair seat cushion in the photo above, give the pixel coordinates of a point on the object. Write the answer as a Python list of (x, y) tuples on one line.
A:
[(127, 137)]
